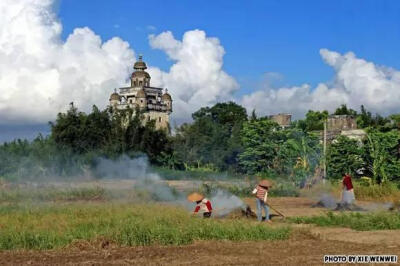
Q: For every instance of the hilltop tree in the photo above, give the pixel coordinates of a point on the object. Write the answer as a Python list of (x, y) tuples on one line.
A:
[(314, 121), (343, 110), (213, 139), (344, 155)]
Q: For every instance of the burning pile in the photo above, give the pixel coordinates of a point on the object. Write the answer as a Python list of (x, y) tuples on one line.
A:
[(241, 212), (348, 207), (327, 201), (248, 212)]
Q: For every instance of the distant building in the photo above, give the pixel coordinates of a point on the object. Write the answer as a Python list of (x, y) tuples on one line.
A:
[(345, 125), (155, 104), (284, 120), (341, 122)]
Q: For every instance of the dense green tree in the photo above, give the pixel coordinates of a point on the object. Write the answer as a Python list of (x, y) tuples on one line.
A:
[(365, 119), (314, 121), (109, 133), (286, 152), (260, 140), (343, 110), (213, 139), (395, 120), (344, 155), (226, 114), (381, 155), (299, 153), (67, 131)]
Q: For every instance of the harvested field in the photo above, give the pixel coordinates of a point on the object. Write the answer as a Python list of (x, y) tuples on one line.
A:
[(84, 224), (306, 251), (290, 206)]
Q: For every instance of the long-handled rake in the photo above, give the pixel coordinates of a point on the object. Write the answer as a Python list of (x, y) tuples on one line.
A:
[(269, 205)]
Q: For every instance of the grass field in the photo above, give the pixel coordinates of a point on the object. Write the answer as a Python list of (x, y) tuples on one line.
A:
[(53, 226), (356, 221)]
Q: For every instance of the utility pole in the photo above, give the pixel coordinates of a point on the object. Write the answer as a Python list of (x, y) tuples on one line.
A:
[(324, 178)]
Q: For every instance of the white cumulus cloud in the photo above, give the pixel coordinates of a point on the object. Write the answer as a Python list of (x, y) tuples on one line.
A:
[(40, 74), (357, 82), (196, 78)]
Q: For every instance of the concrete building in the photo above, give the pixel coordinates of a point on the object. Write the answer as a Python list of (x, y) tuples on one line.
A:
[(345, 125), (283, 120), (341, 122), (156, 104)]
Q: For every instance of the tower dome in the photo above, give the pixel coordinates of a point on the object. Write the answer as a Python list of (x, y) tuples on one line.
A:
[(115, 96), (139, 74), (139, 77), (166, 97), (140, 65)]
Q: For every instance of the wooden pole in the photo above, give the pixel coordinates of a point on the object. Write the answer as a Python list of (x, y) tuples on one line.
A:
[(275, 210)]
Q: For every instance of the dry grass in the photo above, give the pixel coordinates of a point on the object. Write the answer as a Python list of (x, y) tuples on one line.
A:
[(53, 226)]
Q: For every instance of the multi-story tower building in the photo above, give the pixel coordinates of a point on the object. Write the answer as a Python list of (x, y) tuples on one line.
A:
[(154, 104)]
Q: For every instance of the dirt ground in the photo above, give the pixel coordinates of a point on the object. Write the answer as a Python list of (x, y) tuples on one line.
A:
[(307, 246), (307, 251), (290, 206)]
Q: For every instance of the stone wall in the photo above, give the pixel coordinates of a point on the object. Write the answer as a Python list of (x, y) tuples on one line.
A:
[(283, 120), (161, 118), (341, 122)]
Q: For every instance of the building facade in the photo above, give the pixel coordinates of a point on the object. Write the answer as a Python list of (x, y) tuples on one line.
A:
[(283, 120), (341, 122), (345, 125), (152, 101)]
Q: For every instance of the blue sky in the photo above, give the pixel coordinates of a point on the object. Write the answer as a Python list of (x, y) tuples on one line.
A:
[(262, 40), (258, 36)]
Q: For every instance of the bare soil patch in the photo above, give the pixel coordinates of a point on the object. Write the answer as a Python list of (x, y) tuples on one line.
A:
[(290, 206), (289, 252)]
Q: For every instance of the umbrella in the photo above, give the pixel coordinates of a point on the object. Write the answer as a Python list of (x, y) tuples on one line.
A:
[(195, 197), (265, 183)]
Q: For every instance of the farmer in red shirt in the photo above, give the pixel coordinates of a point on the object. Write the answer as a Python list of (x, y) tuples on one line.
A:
[(261, 192), (202, 204), (348, 191)]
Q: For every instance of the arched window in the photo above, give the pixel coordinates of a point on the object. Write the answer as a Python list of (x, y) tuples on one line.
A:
[(140, 83), (159, 119)]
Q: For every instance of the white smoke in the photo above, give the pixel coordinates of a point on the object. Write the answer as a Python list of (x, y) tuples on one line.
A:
[(138, 169), (224, 203)]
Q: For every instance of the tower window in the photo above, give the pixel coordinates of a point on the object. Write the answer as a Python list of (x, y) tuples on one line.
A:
[(159, 119), (140, 83)]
